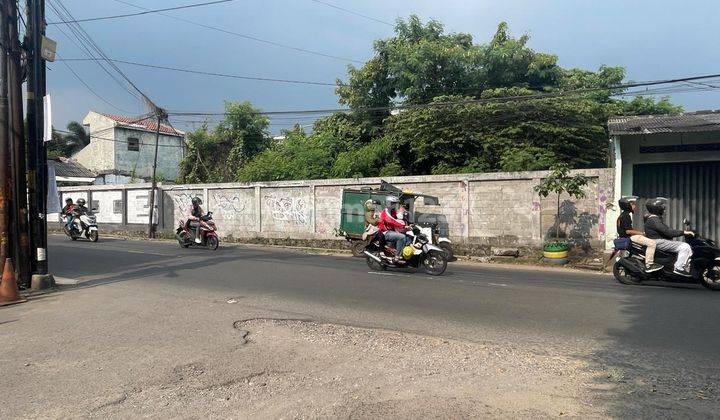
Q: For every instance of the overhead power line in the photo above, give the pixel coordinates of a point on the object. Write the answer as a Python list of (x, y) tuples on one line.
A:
[(187, 6), (244, 36), (207, 73), (86, 39), (620, 88), (80, 79), (353, 13)]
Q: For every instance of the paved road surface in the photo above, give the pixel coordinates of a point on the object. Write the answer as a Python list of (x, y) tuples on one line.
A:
[(664, 334)]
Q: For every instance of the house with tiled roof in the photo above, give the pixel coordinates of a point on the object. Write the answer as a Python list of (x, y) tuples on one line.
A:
[(122, 149)]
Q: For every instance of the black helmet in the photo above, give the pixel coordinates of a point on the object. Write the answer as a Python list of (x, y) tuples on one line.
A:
[(68, 200), (81, 201), (656, 206), (626, 203), (196, 201)]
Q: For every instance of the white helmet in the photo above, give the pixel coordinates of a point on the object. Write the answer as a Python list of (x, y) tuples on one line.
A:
[(391, 200)]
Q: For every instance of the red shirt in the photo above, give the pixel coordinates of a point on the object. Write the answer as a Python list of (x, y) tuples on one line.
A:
[(389, 221)]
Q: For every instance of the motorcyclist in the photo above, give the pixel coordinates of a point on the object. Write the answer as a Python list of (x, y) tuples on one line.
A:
[(390, 225), (371, 218), (625, 229), (67, 212), (656, 229), (193, 218), (78, 210)]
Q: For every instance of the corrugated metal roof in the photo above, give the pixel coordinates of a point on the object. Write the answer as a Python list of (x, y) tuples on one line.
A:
[(147, 124), (649, 124), (70, 168)]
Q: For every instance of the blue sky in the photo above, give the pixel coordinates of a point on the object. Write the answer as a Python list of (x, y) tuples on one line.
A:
[(651, 39)]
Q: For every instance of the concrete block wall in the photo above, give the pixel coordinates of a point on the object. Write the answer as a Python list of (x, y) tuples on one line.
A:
[(492, 209)]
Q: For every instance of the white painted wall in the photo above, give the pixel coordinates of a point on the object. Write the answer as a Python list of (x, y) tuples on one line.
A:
[(138, 204), (109, 206)]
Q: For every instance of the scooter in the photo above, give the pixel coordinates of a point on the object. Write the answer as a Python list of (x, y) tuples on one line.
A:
[(418, 253), (84, 226), (629, 267), (207, 232)]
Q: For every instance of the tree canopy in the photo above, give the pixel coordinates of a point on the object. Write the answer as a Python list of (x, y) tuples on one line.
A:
[(461, 107)]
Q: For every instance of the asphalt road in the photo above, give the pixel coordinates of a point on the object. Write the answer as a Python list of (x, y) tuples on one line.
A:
[(665, 337), (469, 301)]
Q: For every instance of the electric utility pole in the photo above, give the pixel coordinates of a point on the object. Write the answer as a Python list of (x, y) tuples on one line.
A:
[(22, 255), (160, 116), (5, 193), (37, 161)]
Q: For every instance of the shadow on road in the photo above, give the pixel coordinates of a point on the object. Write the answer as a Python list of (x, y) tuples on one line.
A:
[(664, 363)]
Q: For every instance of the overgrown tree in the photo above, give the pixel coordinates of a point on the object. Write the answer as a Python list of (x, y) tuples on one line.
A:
[(217, 155)]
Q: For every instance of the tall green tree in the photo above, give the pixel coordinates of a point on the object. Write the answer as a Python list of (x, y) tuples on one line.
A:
[(463, 110), (217, 155)]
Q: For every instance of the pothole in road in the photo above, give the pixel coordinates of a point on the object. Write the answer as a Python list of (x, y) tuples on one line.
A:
[(243, 332)]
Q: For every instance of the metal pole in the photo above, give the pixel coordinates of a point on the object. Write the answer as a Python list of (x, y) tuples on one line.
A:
[(5, 242), (18, 157), (151, 230)]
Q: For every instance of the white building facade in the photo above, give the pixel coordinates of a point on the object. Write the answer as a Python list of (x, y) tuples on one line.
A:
[(122, 149)]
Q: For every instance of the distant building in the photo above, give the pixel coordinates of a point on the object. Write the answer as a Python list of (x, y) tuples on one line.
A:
[(70, 172), (122, 149)]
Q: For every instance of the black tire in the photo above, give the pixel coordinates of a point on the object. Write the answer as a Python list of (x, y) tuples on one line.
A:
[(622, 276), (212, 242), (449, 254), (74, 238), (710, 278), (434, 263), (358, 248), (94, 236)]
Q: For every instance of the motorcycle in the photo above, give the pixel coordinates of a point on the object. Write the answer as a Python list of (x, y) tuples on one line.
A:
[(629, 267), (84, 225), (432, 259), (207, 232)]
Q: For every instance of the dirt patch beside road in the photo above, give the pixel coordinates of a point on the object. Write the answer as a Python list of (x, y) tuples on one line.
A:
[(308, 370)]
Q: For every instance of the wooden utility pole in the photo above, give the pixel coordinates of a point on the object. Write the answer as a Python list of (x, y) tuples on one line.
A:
[(151, 210)]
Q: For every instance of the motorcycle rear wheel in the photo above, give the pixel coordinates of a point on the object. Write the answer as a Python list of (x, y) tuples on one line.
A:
[(434, 263), (711, 278), (622, 276)]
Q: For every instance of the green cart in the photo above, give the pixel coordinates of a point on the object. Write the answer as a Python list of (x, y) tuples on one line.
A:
[(352, 218)]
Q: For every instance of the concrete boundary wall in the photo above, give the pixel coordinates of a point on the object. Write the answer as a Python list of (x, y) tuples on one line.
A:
[(489, 208)]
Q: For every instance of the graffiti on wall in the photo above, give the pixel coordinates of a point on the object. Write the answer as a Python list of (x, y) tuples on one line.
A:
[(182, 202), (288, 209), (229, 205), (602, 210)]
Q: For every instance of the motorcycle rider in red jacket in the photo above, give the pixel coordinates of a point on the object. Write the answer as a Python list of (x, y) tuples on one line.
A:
[(393, 228)]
